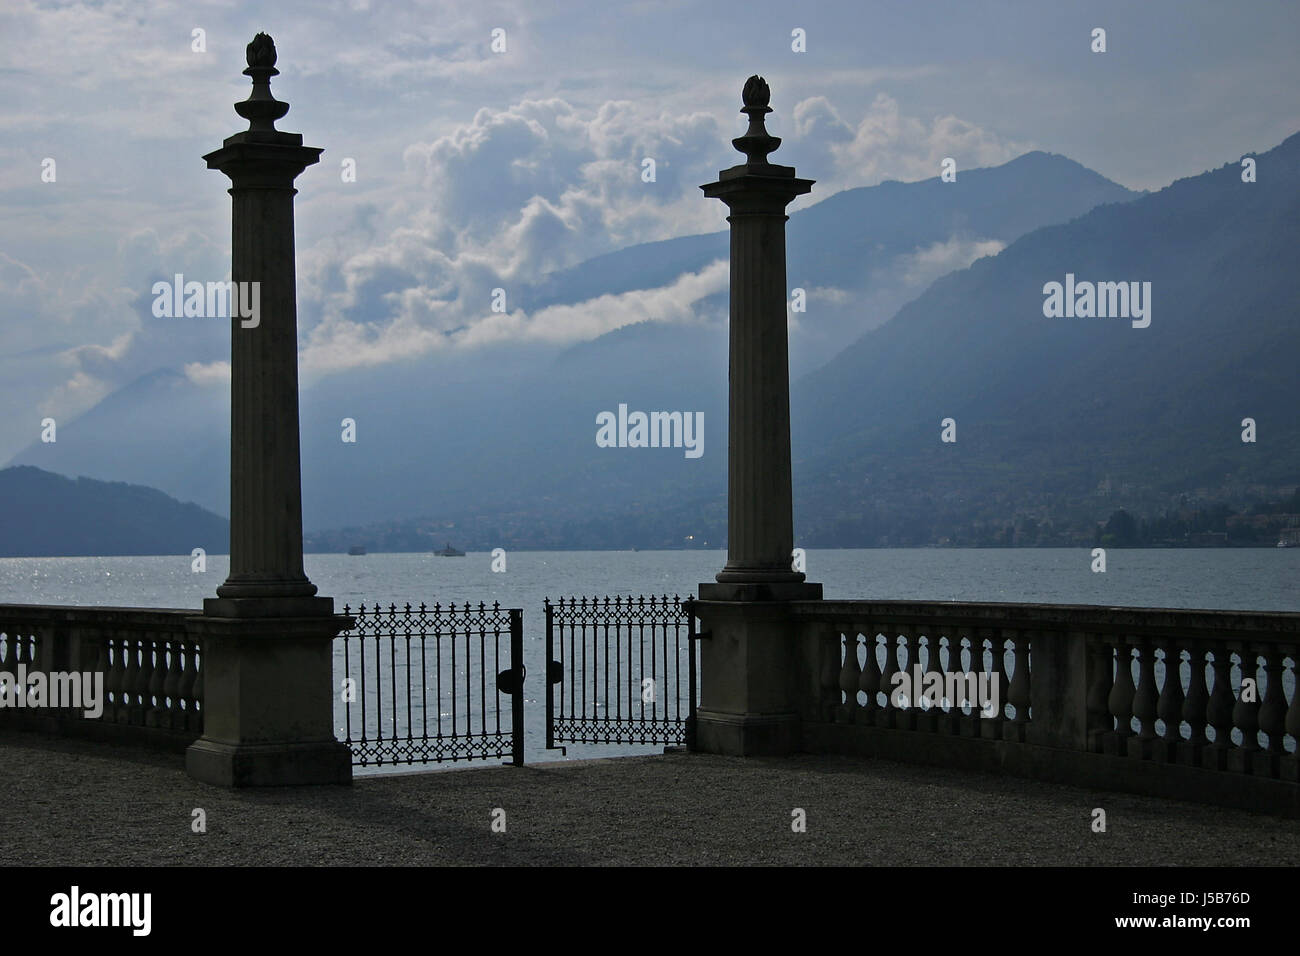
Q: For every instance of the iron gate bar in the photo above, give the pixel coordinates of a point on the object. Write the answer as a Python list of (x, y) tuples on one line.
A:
[(630, 623), (387, 734)]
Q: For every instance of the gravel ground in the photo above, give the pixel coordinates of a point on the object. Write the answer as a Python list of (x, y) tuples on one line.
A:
[(81, 804)]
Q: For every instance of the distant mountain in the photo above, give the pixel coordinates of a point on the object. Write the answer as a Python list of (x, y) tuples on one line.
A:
[(1053, 413), (47, 515), (1060, 422), (506, 437), (862, 253)]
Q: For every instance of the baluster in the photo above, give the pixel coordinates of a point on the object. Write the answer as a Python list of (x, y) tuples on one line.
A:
[(92, 660), (1272, 714), (1169, 706), (1194, 707), (1018, 691), (21, 656), (938, 717), (908, 643), (850, 674), (925, 711), (197, 695), (905, 640), (1245, 714), (886, 715), (933, 650), (13, 657), (130, 667), (1291, 765), (1120, 702), (998, 651), (976, 720), (155, 658), (1144, 701), (172, 685), (828, 680), (185, 692), (1101, 681), (869, 681), (966, 691), (1219, 713), (952, 719), (1272, 711), (9, 644), (137, 664), (117, 678)]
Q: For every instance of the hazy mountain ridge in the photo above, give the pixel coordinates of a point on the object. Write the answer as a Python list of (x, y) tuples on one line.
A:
[(47, 515), (510, 438), (1073, 401)]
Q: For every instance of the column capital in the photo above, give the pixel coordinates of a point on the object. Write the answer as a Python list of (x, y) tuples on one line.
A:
[(760, 189), (256, 163), (757, 186)]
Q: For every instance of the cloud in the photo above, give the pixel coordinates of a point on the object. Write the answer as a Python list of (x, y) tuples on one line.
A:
[(887, 144), (344, 345), (211, 373), (541, 185), (497, 203), (675, 302), (925, 265)]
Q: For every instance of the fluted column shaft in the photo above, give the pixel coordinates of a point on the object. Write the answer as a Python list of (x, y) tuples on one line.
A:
[(265, 461), (760, 518)]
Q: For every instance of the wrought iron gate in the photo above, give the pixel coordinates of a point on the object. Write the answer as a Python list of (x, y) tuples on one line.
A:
[(426, 684), (620, 670)]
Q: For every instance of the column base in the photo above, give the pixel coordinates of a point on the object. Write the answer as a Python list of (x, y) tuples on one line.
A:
[(760, 591), (268, 702), (746, 735), (268, 765), (270, 606)]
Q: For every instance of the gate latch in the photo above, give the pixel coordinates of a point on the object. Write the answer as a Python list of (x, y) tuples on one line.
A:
[(506, 679)]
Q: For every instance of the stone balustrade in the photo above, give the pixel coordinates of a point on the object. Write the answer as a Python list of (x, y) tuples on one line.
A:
[(152, 678), (1187, 704)]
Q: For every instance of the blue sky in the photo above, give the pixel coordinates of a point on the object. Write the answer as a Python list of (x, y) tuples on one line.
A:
[(478, 170)]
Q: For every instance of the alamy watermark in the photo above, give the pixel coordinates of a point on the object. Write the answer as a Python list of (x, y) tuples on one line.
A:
[(76, 909), (212, 300), (65, 690), (1086, 300), (653, 430), (933, 689)]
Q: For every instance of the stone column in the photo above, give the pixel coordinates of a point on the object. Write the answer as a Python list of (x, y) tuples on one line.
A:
[(752, 663), (267, 638), (760, 522)]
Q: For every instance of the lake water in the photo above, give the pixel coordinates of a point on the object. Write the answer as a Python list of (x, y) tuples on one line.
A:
[(1266, 579)]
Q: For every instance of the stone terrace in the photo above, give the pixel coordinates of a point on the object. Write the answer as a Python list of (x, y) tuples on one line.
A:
[(75, 803)]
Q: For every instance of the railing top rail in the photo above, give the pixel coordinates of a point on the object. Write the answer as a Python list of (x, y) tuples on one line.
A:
[(394, 610), (73, 614), (1096, 618), (618, 609)]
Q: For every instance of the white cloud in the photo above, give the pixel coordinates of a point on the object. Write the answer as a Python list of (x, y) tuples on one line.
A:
[(925, 265), (344, 344), (210, 373), (887, 144)]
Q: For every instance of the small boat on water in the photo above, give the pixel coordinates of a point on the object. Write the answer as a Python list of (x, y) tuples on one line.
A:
[(356, 549), (449, 552)]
